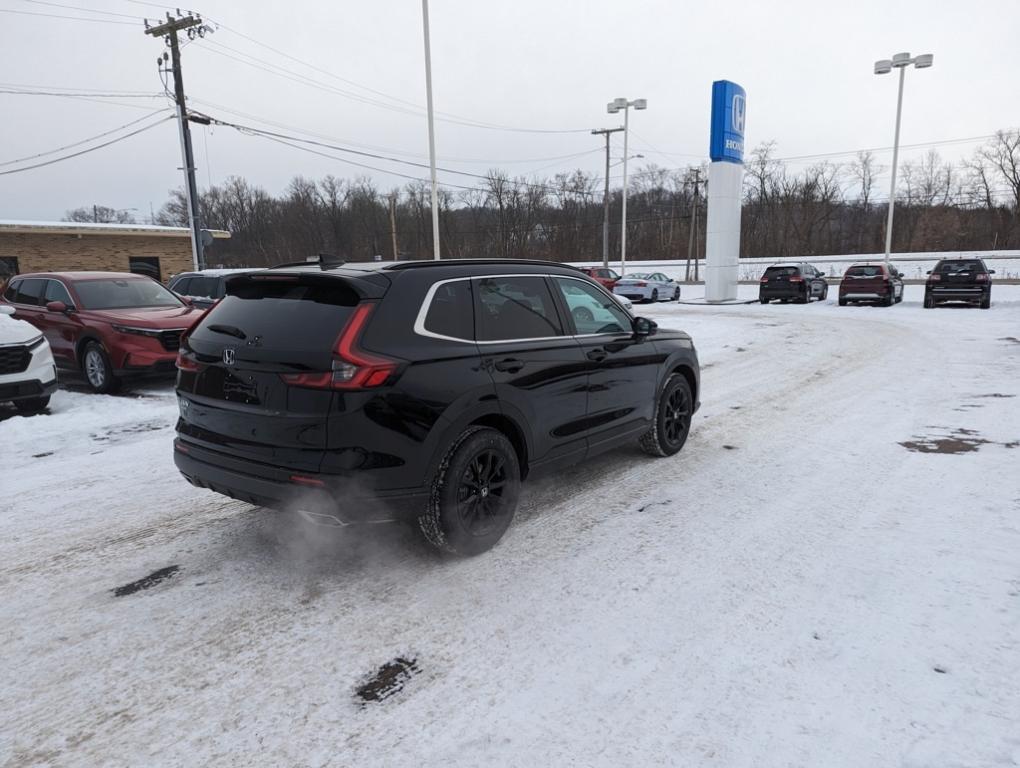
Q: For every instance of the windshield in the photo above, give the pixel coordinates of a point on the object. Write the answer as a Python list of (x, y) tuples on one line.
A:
[(639, 276), (124, 293)]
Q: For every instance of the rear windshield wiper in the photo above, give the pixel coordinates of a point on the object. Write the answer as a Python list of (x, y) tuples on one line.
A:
[(229, 330)]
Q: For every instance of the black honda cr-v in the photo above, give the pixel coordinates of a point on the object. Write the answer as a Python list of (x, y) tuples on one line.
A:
[(421, 390)]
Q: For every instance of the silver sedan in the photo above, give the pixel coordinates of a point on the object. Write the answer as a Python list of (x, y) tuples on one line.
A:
[(647, 286)]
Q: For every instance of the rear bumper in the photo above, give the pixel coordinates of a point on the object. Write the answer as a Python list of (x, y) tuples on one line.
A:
[(959, 294), (265, 486), (863, 296), (781, 293)]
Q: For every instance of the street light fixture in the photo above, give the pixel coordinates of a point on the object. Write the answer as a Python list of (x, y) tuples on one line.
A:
[(612, 108), (899, 61)]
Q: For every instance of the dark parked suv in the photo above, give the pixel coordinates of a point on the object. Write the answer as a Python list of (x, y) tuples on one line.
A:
[(420, 390), (959, 280), (799, 282)]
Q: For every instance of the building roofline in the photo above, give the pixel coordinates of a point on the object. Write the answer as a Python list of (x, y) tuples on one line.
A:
[(89, 228)]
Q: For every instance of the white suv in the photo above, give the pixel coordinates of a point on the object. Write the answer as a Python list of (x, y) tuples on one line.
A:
[(27, 372)]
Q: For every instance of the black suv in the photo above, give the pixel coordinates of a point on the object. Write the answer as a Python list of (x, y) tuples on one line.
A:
[(800, 282), (421, 390), (959, 280)]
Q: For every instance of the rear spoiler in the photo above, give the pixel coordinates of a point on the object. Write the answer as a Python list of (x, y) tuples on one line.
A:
[(370, 285)]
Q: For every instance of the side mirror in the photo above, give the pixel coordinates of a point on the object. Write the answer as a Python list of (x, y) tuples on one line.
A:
[(644, 327), (56, 306), (7, 309), (928, 272), (991, 271)]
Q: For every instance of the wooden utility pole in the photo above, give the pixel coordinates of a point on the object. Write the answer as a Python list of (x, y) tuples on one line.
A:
[(393, 223), (168, 30), (605, 198)]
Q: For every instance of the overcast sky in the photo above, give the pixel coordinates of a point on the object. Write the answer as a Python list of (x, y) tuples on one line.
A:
[(532, 64)]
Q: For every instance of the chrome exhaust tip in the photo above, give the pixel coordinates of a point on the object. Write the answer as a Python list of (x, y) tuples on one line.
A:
[(321, 518)]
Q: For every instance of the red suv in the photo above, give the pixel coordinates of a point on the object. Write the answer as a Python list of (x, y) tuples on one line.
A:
[(602, 275), (109, 325)]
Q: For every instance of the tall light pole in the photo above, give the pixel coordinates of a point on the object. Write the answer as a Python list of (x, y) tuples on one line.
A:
[(612, 108), (432, 130), (899, 61)]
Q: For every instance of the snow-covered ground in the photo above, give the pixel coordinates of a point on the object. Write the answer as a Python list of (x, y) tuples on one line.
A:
[(827, 575)]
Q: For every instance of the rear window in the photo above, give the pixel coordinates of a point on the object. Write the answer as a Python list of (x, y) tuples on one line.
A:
[(451, 313), (964, 265), (279, 315), (124, 294), (781, 271), (865, 271)]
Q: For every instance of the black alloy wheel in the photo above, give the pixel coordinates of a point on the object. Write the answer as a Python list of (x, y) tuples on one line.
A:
[(668, 433), (474, 493)]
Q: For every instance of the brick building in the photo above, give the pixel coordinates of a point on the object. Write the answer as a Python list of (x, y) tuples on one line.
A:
[(62, 246)]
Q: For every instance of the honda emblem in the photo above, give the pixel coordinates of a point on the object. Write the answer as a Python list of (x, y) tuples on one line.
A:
[(229, 355)]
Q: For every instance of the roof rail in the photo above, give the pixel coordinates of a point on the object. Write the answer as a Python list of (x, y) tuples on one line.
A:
[(401, 265)]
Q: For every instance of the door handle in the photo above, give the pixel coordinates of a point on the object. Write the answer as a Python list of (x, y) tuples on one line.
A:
[(509, 365), (597, 355)]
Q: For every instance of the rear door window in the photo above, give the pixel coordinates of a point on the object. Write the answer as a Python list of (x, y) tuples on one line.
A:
[(450, 313), (30, 291), (515, 308), (204, 287)]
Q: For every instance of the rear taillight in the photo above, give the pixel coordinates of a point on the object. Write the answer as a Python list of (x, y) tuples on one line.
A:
[(934, 277), (313, 482), (186, 363), (763, 280), (982, 278), (641, 284), (353, 367), (796, 279)]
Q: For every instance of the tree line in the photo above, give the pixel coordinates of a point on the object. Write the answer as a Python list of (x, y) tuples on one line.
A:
[(788, 212)]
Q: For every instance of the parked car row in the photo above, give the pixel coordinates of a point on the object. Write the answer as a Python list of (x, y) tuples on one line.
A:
[(951, 280)]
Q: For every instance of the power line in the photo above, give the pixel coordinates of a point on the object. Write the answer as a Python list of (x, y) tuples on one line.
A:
[(84, 10), (70, 18), (90, 149), (22, 92), (83, 141)]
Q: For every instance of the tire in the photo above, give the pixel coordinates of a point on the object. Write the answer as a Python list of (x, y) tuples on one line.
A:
[(806, 298), (986, 302), (672, 422), (97, 369), (929, 302), (655, 296), (676, 294), (764, 301), (582, 314), (465, 515), (32, 404), (889, 300), (825, 293), (842, 301)]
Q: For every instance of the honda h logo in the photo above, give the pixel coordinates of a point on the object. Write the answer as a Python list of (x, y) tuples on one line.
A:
[(738, 113), (229, 356)]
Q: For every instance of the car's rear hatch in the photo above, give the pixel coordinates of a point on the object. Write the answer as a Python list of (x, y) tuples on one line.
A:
[(864, 279), (961, 275), (781, 280), (232, 392)]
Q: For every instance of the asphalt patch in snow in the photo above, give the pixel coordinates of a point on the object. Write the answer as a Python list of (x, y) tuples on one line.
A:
[(388, 680), (961, 441), (995, 394), (730, 447), (147, 582), (1014, 339), (113, 434), (40, 455)]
